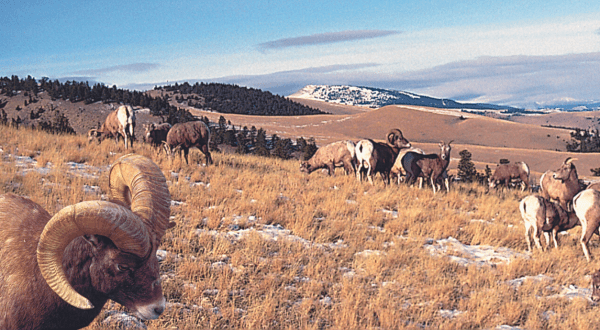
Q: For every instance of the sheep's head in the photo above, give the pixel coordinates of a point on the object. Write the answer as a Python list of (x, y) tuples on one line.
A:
[(445, 150), (148, 130), (124, 234), (596, 286), (565, 171), (395, 139), (304, 167), (94, 135)]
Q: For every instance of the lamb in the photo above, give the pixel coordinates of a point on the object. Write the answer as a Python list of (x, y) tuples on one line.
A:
[(561, 185), (188, 135), (336, 154), (156, 134), (506, 173), (587, 207), (87, 253), (377, 157), (541, 215), (119, 123), (429, 166)]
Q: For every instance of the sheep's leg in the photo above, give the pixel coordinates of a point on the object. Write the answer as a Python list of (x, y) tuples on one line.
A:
[(206, 153), (547, 238), (585, 238), (536, 238), (331, 169), (433, 184), (527, 239), (186, 151), (555, 237), (447, 183), (369, 167)]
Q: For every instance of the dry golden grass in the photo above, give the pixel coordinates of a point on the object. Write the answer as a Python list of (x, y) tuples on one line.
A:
[(260, 245)]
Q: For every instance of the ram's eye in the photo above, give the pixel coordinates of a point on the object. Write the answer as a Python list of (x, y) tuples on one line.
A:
[(122, 268)]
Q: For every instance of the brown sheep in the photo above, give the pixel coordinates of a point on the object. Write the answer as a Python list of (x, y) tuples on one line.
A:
[(156, 134), (119, 123), (587, 207), (543, 216), (378, 157), (188, 135), (336, 154), (506, 173), (57, 272), (430, 166), (561, 185)]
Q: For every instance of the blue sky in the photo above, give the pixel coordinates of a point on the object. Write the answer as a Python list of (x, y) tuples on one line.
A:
[(508, 52)]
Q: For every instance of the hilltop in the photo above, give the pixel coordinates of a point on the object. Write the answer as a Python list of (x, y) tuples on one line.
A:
[(376, 98)]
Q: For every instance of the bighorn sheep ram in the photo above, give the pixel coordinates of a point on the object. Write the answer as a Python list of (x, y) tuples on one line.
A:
[(336, 154), (541, 215), (507, 173), (430, 166), (587, 207), (58, 271), (561, 185), (156, 134), (378, 157), (119, 123), (188, 135)]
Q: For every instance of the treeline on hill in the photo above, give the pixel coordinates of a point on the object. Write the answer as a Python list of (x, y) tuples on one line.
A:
[(226, 98), (255, 141), (74, 91)]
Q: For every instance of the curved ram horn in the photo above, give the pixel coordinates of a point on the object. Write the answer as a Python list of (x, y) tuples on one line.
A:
[(137, 182), (116, 222)]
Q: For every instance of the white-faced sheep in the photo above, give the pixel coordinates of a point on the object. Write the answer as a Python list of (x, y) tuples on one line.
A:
[(587, 207), (507, 173), (378, 157), (336, 154), (188, 135), (543, 216), (57, 272), (430, 166), (119, 123), (561, 185)]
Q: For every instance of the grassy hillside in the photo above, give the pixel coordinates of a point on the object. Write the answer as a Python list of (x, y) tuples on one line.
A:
[(260, 245)]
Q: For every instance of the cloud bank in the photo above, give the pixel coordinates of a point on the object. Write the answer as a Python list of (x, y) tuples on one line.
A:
[(129, 68), (325, 38)]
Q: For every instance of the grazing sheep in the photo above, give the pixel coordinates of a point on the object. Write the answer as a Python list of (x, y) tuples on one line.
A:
[(119, 123), (57, 272), (188, 135), (543, 216), (156, 134), (587, 207), (397, 169), (336, 154), (431, 166), (507, 173), (377, 157), (561, 185)]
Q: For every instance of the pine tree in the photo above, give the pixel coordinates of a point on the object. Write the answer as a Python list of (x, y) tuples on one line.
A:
[(466, 168)]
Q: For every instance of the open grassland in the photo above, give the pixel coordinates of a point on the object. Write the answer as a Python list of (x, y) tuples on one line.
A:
[(259, 245)]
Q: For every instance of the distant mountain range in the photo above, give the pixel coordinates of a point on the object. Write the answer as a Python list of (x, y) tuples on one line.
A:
[(376, 98)]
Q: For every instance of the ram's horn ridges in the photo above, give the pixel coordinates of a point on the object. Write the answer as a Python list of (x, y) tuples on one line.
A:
[(116, 222), (137, 182)]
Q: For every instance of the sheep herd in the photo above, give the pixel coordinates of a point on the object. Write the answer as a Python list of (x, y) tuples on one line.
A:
[(560, 205), (394, 157)]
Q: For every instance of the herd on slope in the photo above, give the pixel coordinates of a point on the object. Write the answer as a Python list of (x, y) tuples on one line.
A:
[(119, 237)]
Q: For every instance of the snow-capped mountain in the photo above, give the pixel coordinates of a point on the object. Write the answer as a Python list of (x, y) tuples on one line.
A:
[(376, 98)]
